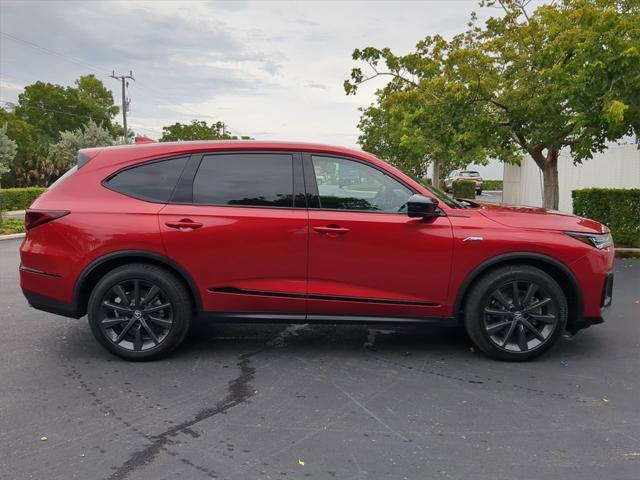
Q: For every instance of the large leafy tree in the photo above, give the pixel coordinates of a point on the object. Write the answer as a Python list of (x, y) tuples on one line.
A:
[(566, 75), (43, 112), (197, 130), (52, 108)]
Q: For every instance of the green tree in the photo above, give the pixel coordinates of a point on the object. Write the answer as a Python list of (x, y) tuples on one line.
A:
[(97, 102), (52, 108), (8, 149), (566, 75), (31, 156), (197, 130), (62, 155)]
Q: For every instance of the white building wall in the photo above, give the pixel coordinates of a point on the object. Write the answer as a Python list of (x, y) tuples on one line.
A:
[(617, 167)]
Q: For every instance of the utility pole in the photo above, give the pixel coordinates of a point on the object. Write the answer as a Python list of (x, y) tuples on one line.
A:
[(125, 102)]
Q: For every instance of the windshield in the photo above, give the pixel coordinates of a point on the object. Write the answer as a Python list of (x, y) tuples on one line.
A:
[(446, 199), (469, 174)]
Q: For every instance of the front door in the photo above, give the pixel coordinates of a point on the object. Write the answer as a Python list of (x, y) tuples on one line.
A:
[(241, 232), (366, 256)]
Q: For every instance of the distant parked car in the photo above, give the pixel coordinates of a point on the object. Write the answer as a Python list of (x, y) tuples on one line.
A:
[(463, 175)]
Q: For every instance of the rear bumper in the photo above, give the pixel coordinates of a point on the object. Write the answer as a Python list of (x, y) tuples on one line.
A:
[(51, 305)]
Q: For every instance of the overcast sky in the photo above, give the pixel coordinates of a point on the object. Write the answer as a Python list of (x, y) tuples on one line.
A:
[(269, 69)]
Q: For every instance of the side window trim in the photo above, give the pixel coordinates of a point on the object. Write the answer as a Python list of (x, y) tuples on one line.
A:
[(299, 193), (310, 183), (313, 194), (183, 192)]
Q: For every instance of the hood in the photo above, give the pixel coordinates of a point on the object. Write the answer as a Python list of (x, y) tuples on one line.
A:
[(538, 218)]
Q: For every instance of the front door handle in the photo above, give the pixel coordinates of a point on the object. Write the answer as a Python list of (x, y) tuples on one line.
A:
[(332, 230), (184, 224)]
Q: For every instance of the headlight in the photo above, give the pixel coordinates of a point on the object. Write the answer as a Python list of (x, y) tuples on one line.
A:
[(598, 240)]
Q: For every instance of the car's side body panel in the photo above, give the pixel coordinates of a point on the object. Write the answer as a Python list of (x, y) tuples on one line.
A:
[(395, 264), (242, 257)]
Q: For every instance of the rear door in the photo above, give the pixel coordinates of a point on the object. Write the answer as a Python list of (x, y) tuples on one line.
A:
[(238, 224), (366, 256)]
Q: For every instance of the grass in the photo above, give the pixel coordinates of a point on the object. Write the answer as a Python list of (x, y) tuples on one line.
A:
[(11, 225)]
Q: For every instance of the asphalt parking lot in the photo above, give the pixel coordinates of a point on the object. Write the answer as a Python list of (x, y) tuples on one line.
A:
[(322, 402)]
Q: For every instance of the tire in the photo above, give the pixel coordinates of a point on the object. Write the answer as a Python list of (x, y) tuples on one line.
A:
[(515, 331), (154, 326), (479, 192)]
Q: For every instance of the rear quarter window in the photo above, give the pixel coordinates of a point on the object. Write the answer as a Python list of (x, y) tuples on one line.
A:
[(154, 181)]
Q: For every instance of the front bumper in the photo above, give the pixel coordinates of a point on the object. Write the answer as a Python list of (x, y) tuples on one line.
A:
[(605, 302)]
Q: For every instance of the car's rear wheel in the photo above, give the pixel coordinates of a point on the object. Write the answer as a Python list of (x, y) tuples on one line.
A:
[(140, 312), (479, 192), (515, 313)]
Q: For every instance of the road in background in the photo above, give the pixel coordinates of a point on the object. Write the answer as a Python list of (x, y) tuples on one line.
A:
[(321, 402)]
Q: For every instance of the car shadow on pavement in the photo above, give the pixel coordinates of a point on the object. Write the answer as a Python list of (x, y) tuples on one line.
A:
[(434, 341)]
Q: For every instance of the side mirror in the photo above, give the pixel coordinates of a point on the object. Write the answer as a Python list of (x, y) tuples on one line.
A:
[(419, 206)]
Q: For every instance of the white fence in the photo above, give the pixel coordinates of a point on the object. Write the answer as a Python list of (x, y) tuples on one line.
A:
[(617, 167)]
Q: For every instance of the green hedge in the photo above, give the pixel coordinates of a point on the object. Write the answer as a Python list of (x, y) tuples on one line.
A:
[(618, 209), (492, 185), (464, 189), (18, 198)]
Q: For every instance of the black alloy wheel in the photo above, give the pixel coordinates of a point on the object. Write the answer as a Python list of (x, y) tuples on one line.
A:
[(140, 311), (515, 312), (520, 316), (136, 315)]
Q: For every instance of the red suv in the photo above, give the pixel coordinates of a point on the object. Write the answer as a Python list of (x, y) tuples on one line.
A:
[(144, 238)]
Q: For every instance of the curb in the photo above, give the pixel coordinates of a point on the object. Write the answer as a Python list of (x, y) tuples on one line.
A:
[(627, 252), (11, 236)]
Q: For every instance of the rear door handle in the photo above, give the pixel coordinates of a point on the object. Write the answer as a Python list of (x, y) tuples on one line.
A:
[(184, 224), (332, 230)]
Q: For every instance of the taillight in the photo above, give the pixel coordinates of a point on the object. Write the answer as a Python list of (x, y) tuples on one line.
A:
[(33, 218)]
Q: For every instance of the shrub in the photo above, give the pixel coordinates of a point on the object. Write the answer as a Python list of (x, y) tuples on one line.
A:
[(18, 198), (492, 185), (464, 189), (618, 209), (11, 225)]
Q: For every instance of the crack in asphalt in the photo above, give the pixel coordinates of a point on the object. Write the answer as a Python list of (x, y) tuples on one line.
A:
[(239, 391)]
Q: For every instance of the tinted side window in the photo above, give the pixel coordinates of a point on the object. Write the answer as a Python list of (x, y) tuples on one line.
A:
[(349, 185), (151, 181), (254, 179)]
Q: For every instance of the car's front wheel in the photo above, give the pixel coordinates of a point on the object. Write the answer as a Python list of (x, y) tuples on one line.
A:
[(515, 313), (140, 312)]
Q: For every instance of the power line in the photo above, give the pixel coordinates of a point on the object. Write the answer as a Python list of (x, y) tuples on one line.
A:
[(76, 60), (53, 52), (14, 105), (97, 69)]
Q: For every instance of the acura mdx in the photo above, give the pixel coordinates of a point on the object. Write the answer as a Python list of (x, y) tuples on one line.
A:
[(145, 238)]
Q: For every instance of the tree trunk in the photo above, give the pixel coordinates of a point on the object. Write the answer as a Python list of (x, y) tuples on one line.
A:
[(436, 173), (550, 192), (549, 166)]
